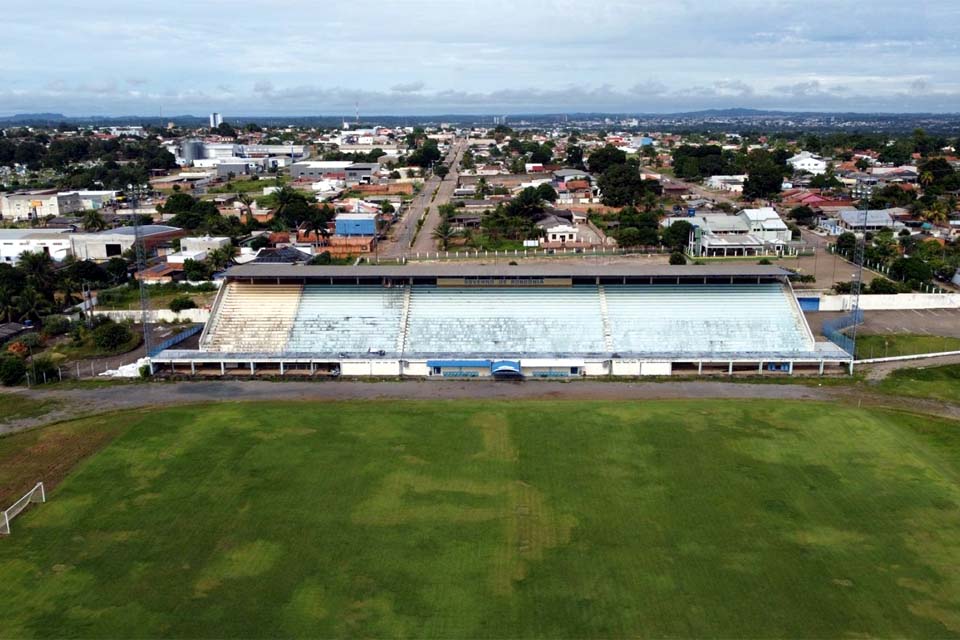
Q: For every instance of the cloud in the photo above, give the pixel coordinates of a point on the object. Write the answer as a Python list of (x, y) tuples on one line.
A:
[(622, 56), (408, 87)]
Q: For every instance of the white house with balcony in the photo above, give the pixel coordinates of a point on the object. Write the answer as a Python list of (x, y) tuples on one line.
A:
[(808, 162)]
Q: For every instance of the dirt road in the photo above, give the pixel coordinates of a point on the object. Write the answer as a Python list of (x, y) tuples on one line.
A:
[(78, 402)]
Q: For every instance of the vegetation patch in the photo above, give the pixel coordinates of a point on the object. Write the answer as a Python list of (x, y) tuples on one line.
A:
[(494, 519)]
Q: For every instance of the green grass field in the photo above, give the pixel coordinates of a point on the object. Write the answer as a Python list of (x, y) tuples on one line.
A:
[(937, 383), (512, 519), (895, 344)]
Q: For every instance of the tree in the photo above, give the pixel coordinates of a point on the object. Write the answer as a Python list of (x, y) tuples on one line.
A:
[(547, 192), (763, 181), (846, 242), (31, 305), (322, 258), (317, 220), (483, 188), (37, 266), (218, 259), (441, 171), (574, 156), (862, 164), (92, 220), (246, 203), (629, 237), (606, 157), (226, 130), (912, 269), (196, 270), (444, 233), (622, 185), (12, 370), (677, 235), (803, 215), (111, 336), (677, 258), (883, 286), (181, 303)]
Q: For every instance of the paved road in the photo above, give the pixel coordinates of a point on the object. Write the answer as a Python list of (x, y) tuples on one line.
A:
[(398, 245), (425, 242), (702, 192)]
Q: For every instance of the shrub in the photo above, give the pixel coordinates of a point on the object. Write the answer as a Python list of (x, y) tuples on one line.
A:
[(321, 258), (30, 340), (18, 349), (883, 286), (144, 371), (42, 367), (764, 261), (111, 336), (180, 303), (12, 370), (55, 325), (677, 258)]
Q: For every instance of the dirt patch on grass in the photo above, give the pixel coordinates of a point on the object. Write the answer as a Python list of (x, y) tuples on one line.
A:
[(50, 454)]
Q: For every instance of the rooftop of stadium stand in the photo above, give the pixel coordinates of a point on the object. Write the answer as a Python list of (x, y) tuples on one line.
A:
[(559, 269)]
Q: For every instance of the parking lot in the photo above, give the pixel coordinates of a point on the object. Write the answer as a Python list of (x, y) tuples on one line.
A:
[(932, 322)]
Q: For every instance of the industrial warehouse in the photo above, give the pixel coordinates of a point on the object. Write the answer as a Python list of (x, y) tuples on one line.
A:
[(505, 321)]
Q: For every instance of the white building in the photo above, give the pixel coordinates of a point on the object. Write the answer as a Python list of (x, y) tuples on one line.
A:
[(765, 223), (215, 120), (13, 242), (734, 184), (806, 161), (93, 199), (38, 204)]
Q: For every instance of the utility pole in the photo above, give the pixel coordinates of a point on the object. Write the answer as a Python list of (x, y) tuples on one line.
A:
[(856, 285), (136, 192)]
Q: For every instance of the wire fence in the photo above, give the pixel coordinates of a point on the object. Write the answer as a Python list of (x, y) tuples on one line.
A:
[(834, 329)]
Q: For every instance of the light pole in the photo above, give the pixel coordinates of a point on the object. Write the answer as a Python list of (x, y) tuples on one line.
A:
[(136, 192)]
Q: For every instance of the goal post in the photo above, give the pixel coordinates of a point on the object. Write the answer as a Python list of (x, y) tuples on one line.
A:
[(37, 494)]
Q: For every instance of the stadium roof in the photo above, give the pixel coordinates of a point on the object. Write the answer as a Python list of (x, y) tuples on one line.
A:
[(474, 270)]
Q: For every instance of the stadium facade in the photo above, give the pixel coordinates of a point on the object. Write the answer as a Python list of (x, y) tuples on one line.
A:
[(551, 321)]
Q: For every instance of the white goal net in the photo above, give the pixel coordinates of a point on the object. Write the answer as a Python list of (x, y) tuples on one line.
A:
[(37, 494)]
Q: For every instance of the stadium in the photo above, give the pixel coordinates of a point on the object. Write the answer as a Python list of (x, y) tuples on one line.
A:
[(505, 321)]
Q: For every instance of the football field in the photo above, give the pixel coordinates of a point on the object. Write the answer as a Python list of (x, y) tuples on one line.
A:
[(466, 519)]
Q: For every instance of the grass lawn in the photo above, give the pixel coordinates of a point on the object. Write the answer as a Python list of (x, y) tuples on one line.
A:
[(15, 407), (902, 344), (938, 383), (498, 519)]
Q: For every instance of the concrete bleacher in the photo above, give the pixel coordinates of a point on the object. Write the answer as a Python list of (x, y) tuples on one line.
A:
[(663, 320), (705, 319), (347, 319), (521, 320), (253, 318)]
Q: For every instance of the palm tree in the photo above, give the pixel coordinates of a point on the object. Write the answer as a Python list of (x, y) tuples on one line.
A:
[(284, 196), (220, 258), (649, 201), (482, 188), (926, 178), (444, 233), (31, 305), (93, 221), (316, 223), (937, 213), (8, 305), (247, 202), (37, 266)]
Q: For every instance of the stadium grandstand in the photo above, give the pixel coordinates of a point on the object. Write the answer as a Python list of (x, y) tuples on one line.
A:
[(550, 320)]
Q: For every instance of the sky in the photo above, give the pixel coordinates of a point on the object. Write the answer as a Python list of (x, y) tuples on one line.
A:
[(421, 57)]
